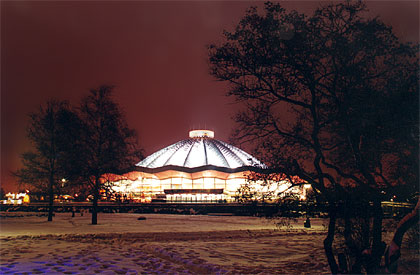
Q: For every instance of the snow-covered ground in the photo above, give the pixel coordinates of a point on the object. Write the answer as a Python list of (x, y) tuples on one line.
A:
[(63, 223), (164, 244)]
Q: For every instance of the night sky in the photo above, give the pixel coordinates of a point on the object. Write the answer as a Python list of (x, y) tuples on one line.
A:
[(153, 52)]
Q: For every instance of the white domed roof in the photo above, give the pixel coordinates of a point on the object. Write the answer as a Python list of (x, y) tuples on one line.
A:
[(200, 149)]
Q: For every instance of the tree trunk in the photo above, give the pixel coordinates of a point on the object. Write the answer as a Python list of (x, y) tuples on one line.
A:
[(378, 246), (95, 202), (392, 253), (350, 243), (365, 226), (329, 240), (51, 200)]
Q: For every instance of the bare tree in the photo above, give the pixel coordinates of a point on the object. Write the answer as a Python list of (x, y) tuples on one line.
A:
[(106, 144), (50, 131), (332, 98)]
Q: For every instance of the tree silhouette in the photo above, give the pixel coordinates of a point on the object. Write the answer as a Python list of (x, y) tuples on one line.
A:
[(332, 98), (2, 193), (50, 131), (106, 144)]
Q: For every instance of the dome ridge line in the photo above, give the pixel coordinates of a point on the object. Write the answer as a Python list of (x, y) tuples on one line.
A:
[(176, 146), (189, 151), (241, 154), (156, 157), (231, 152), (221, 153), (205, 151)]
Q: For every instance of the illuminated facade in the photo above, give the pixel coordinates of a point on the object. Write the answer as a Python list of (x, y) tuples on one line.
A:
[(198, 169)]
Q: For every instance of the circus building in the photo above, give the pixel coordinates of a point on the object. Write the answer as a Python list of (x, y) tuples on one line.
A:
[(198, 169)]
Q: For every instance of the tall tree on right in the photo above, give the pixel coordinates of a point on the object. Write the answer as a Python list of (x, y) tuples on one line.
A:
[(334, 99)]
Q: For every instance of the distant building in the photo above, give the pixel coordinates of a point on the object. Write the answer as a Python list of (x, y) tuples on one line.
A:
[(198, 169)]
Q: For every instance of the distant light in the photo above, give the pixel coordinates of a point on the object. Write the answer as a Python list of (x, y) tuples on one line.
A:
[(201, 134), (63, 180), (26, 199)]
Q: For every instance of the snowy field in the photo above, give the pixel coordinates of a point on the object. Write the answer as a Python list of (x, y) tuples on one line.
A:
[(164, 244)]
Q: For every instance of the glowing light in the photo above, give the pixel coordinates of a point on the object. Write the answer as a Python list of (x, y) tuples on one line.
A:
[(201, 134), (177, 181), (26, 199), (16, 198), (209, 183)]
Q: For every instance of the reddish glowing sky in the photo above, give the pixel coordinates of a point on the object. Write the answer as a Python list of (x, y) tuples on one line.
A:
[(153, 52)]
